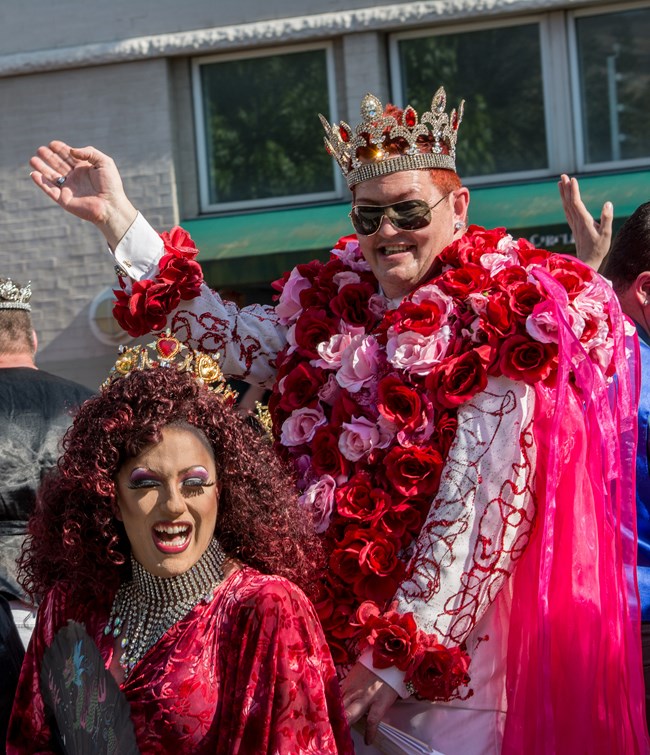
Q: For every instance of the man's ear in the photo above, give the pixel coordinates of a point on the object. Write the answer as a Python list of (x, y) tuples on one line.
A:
[(641, 288), (461, 204)]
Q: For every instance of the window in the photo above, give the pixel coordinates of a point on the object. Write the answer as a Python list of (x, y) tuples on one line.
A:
[(498, 71), (612, 74), (260, 141), (556, 92)]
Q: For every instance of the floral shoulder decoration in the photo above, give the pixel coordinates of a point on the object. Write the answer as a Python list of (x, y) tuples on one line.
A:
[(365, 408), (146, 307)]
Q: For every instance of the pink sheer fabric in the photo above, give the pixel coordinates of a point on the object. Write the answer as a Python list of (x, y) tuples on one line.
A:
[(248, 673), (574, 677)]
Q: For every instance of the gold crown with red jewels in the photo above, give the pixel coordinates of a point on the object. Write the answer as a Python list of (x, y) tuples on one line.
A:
[(386, 143), (13, 296), (165, 352)]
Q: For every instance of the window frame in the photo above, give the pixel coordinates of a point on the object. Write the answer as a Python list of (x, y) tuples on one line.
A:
[(576, 99), (206, 207), (548, 77)]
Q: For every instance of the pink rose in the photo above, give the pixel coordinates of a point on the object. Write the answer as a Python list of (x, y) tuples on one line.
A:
[(301, 425), (413, 352), (319, 497), (431, 293), (330, 351), (329, 392), (350, 254), (541, 324), (347, 276), (359, 363), (358, 438), (289, 304)]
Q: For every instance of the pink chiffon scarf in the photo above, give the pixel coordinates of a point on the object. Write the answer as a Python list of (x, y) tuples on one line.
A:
[(574, 677)]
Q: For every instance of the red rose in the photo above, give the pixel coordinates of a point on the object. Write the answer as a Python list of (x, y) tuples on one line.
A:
[(351, 304), (437, 672), (572, 274), (529, 254), (146, 308), (182, 273), (326, 457), (403, 519), (496, 318), (368, 561), (300, 387), (524, 297), (359, 499), (312, 328), (344, 241), (463, 281), (510, 276), (398, 403), (446, 426), (521, 358), (178, 242), (393, 638), (456, 379), (423, 318), (413, 470)]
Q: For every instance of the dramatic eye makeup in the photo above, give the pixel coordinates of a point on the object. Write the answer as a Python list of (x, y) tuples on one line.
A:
[(197, 476), (142, 478)]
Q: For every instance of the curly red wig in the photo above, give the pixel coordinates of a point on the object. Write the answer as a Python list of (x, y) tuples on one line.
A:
[(74, 538)]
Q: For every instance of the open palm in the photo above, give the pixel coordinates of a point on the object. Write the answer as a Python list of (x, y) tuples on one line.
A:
[(92, 189)]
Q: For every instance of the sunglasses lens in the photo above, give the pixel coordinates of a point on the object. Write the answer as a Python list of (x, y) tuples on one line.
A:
[(407, 216), (366, 220), (410, 215)]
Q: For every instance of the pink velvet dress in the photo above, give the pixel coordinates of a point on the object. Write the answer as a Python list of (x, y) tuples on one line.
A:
[(249, 672)]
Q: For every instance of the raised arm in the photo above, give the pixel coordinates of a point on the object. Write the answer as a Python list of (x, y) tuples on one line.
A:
[(160, 284), (592, 237)]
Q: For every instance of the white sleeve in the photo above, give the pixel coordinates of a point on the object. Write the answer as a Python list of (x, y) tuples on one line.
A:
[(480, 521), (139, 250), (248, 339)]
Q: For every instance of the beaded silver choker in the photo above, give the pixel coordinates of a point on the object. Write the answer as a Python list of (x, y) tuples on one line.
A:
[(147, 606)]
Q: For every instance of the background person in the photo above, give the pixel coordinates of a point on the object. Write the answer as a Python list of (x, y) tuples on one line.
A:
[(449, 579), (178, 535), (627, 266), (35, 410)]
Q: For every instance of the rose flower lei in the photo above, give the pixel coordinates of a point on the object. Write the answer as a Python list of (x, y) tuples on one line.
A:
[(365, 403)]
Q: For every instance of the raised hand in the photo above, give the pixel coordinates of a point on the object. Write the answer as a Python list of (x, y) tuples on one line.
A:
[(592, 237), (86, 183)]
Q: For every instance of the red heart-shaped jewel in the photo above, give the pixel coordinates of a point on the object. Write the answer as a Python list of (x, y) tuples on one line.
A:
[(168, 347)]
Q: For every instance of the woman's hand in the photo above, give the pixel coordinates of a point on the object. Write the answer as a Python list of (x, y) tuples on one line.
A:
[(592, 238), (92, 189), (364, 692)]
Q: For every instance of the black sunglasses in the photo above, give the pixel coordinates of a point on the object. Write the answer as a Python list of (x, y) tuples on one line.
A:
[(407, 216)]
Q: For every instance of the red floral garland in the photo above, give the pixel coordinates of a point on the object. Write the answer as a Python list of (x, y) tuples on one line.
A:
[(365, 407), (146, 308)]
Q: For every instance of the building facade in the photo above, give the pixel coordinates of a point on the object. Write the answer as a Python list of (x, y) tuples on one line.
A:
[(209, 110)]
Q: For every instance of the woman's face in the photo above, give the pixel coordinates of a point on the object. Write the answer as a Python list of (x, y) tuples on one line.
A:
[(168, 498)]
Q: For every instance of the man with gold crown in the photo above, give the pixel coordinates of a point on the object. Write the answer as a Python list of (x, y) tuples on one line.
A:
[(459, 409)]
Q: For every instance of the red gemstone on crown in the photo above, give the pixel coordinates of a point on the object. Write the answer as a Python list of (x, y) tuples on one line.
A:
[(168, 347), (344, 135), (410, 118)]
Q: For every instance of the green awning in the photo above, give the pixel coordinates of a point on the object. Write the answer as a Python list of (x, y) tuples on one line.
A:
[(254, 248)]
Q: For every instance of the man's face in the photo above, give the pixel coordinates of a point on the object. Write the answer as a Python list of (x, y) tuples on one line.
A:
[(401, 260)]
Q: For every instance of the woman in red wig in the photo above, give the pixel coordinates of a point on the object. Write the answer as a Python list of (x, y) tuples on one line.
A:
[(171, 533)]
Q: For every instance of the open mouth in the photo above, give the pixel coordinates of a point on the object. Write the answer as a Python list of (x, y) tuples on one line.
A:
[(388, 251), (171, 538)]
